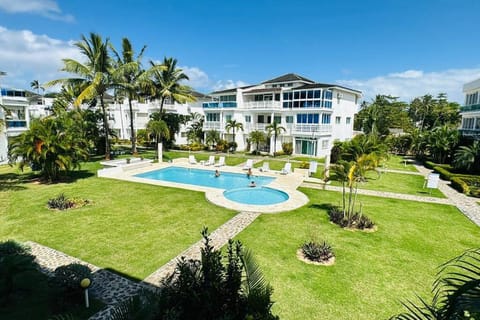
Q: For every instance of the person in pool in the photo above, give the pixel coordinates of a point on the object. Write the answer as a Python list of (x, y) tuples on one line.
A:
[(252, 184), (249, 173), (217, 174)]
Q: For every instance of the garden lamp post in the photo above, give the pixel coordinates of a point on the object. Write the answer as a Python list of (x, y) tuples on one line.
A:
[(85, 283)]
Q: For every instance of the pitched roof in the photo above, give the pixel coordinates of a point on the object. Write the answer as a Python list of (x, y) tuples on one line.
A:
[(263, 90), (231, 90), (323, 85), (289, 77)]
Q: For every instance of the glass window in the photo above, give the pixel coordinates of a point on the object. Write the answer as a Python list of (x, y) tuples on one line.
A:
[(248, 118), (277, 119), (310, 118), (260, 118), (325, 118), (296, 95), (337, 120), (303, 94), (285, 96), (228, 117), (213, 116), (315, 118), (310, 94), (317, 94), (285, 104), (289, 119), (317, 103), (277, 96), (296, 104), (348, 120)]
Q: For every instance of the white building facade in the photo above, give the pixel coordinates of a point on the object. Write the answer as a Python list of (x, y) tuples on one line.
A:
[(470, 112), (313, 114)]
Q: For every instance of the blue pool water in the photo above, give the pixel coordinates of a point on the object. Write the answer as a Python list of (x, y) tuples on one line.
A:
[(257, 196), (205, 178)]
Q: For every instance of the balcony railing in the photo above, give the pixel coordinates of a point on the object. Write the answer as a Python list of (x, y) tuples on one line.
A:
[(212, 125), (255, 126), (16, 124), (262, 105), (312, 128), (470, 132), (208, 105), (473, 107)]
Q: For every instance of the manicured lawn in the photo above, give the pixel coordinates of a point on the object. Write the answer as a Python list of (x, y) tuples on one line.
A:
[(396, 182), (373, 271), (308, 159), (398, 163), (130, 227), (230, 159)]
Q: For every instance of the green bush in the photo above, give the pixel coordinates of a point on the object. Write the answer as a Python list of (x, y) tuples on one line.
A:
[(429, 164), (287, 148), (460, 185), (444, 173), (279, 153), (319, 252), (61, 202), (67, 279), (358, 220), (304, 165)]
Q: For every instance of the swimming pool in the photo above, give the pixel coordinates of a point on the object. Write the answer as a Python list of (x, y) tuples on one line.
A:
[(205, 178), (256, 196)]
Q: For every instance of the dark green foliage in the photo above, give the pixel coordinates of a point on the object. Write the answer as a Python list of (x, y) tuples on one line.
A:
[(357, 221), (456, 292), (67, 279), (212, 289), (319, 252), (458, 184), (287, 148), (60, 202), (429, 164), (444, 173), (400, 144)]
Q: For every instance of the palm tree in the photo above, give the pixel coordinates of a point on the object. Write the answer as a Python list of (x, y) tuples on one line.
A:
[(166, 83), (276, 130), (35, 85), (441, 142), (159, 130), (468, 157), (257, 137), (129, 77), (212, 137), (95, 76), (233, 125)]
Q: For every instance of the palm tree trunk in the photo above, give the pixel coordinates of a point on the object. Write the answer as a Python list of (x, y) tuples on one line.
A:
[(274, 144), (105, 128), (133, 135), (162, 101)]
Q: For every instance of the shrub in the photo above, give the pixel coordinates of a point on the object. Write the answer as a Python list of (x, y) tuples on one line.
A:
[(67, 279), (11, 247), (287, 148), (460, 185), (232, 146), (279, 153), (429, 164), (357, 221), (222, 146), (304, 165), (61, 202), (319, 252), (444, 173)]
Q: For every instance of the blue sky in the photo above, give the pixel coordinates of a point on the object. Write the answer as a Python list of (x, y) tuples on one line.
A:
[(404, 48)]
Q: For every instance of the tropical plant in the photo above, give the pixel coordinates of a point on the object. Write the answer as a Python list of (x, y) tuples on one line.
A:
[(60, 202), (440, 143), (212, 137), (94, 76), (233, 125), (468, 157), (167, 83), (51, 145), (456, 292), (287, 148), (159, 130), (319, 252), (35, 85), (257, 137), (275, 129), (195, 130)]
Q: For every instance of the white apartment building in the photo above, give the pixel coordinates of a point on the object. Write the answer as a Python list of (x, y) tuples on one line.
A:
[(313, 114), (119, 115), (470, 112)]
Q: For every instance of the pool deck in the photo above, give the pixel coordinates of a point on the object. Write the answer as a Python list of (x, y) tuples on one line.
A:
[(287, 183)]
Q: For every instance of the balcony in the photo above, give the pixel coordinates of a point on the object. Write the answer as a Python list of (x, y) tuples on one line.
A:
[(262, 105), (312, 128), (473, 107), (212, 125), (470, 132), (249, 127), (213, 105)]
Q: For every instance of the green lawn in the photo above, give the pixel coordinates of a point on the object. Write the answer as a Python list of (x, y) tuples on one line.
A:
[(130, 227), (399, 163), (373, 271), (396, 182)]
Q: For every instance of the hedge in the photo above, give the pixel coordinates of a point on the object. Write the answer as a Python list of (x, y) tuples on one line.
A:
[(444, 173), (460, 185)]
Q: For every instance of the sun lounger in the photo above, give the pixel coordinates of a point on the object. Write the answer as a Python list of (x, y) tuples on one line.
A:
[(211, 161), (312, 168), (287, 168), (265, 167), (248, 164), (221, 162), (192, 160)]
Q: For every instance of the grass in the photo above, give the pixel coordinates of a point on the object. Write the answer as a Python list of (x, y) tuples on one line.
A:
[(373, 271), (395, 162), (131, 228), (395, 182)]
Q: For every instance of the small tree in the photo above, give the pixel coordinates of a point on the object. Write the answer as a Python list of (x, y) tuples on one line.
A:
[(159, 130), (233, 125), (212, 137), (275, 129), (257, 137)]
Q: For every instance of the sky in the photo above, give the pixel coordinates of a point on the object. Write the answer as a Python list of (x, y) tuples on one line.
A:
[(405, 48)]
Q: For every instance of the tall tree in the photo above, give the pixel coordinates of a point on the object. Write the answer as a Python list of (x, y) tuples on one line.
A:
[(428, 112), (129, 77), (233, 125), (35, 85), (159, 130), (275, 129), (257, 137), (167, 83), (441, 142), (94, 76)]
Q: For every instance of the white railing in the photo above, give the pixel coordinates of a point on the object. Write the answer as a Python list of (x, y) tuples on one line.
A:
[(249, 127), (312, 128), (212, 125), (262, 105)]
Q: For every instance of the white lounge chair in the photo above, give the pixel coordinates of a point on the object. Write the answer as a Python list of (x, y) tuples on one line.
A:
[(265, 167), (287, 168), (221, 162), (312, 168), (192, 160), (248, 164), (211, 161)]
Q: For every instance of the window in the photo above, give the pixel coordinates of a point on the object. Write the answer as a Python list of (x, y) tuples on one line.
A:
[(307, 118), (248, 118), (212, 116), (348, 120), (317, 94), (261, 118), (303, 94), (289, 119), (325, 118), (310, 94), (277, 119), (228, 117), (228, 98), (296, 95), (277, 96), (337, 120)]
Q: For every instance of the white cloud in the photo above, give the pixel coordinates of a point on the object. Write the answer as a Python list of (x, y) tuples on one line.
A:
[(26, 56), (228, 84), (46, 8), (413, 83), (197, 77)]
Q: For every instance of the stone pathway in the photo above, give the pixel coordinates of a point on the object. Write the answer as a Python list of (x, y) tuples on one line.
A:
[(108, 287), (219, 238)]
